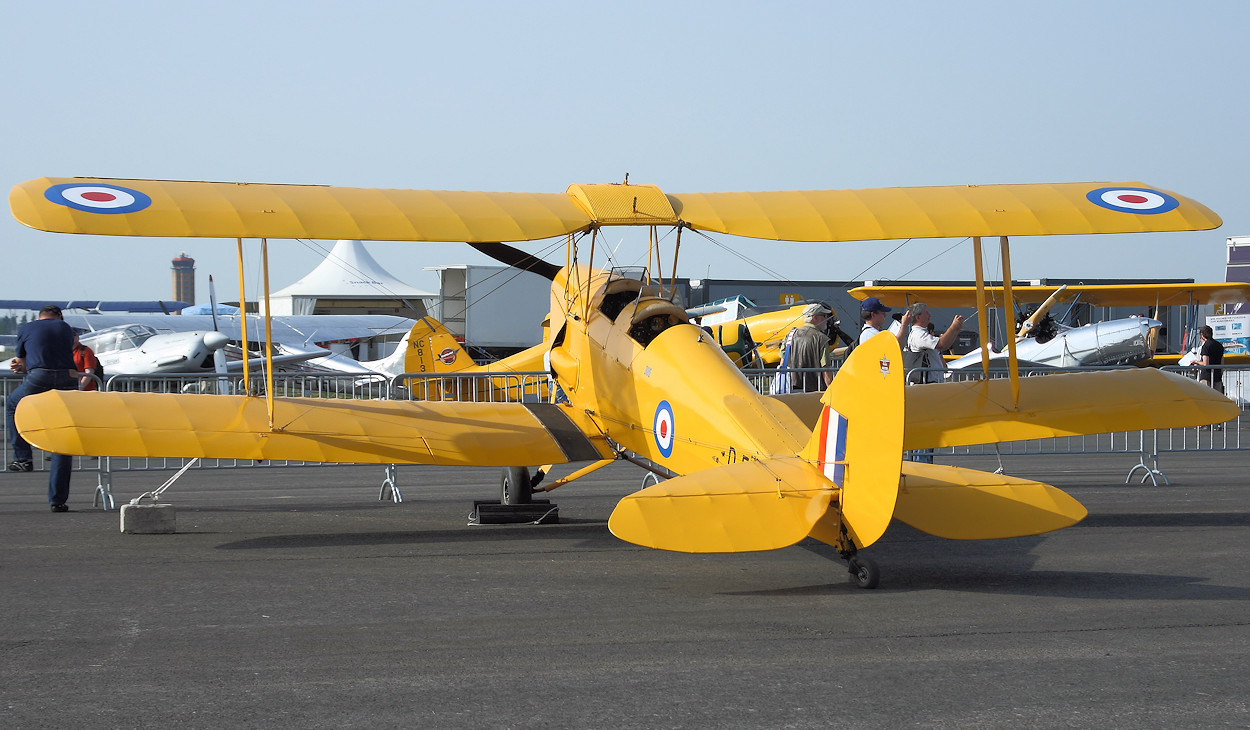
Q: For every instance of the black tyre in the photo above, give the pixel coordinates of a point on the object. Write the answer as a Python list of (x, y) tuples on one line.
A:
[(865, 573), (514, 486)]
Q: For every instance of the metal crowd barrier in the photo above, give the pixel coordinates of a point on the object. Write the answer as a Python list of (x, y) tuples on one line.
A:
[(1146, 446)]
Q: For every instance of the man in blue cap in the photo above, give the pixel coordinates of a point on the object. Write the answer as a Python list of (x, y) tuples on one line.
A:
[(874, 314), (45, 352)]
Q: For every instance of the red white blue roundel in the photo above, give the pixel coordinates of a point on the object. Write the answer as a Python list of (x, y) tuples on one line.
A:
[(98, 198), (664, 428), (1133, 200)]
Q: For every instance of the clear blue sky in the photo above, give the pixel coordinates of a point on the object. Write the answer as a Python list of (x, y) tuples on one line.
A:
[(691, 96)]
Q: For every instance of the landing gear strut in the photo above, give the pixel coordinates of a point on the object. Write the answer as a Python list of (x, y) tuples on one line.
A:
[(863, 570)]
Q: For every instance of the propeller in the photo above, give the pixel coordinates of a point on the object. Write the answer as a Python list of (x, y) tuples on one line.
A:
[(1037, 315), (517, 258), (219, 350)]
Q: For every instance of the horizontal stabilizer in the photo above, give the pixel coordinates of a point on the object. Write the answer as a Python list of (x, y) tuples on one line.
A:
[(752, 505), (305, 429), (966, 504), (1070, 404)]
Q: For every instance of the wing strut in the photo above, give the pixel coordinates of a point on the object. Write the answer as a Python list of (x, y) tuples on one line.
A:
[(264, 258), (983, 326), (247, 389), (1009, 308)]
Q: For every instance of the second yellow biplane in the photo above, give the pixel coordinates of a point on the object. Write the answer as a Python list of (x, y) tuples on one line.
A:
[(634, 379)]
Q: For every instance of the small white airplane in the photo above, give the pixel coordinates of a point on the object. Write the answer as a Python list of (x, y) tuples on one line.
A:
[(1127, 341), (140, 349)]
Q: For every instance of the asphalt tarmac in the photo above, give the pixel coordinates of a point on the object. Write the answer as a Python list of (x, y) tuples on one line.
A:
[(295, 598)]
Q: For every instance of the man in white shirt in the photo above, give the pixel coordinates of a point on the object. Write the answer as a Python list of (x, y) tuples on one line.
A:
[(930, 346)]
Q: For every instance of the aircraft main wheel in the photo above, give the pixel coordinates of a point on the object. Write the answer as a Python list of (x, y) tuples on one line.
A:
[(865, 573), (514, 486)]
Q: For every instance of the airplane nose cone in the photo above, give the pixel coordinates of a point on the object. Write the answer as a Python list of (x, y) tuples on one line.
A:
[(215, 340)]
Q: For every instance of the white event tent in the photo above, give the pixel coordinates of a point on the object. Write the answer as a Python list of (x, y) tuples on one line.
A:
[(350, 281)]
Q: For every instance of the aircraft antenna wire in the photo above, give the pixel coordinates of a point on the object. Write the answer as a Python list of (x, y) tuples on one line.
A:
[(936, 256), (787, 280), (381, 289)]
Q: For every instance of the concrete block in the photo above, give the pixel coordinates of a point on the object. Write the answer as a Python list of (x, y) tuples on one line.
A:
[(148, 519)]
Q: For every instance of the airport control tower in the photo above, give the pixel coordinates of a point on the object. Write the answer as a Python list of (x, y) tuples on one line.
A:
[(184, 278)]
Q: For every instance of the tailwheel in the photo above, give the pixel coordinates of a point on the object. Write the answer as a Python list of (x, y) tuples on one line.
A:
[(515, 486), (864, 572)]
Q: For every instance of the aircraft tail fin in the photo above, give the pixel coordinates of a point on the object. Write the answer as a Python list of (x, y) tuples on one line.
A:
[(858, 440), (432, 348)]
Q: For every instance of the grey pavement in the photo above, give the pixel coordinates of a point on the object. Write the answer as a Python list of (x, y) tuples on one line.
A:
[(295, 598)]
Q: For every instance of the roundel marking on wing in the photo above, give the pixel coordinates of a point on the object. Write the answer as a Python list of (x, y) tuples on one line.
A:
[(1133, 200), (664, 428), (98, 198)]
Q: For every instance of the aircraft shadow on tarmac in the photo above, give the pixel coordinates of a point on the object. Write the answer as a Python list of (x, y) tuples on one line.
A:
[(1168, 519), (909, 559), (584, 534), (912, 561)]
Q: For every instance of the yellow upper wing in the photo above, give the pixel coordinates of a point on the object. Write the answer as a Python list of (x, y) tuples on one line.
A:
[(306, 429), (944, 211), (245, 210), (242, 210), (1111, 295)]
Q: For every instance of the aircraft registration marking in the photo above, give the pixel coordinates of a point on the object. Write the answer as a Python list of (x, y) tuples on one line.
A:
[(98, 198), (664, 428), (1133, 200)]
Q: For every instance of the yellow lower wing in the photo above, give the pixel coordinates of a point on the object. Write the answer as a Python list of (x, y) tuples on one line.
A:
[(1071, 404), (753, 505), (305, 429), (965, 504)]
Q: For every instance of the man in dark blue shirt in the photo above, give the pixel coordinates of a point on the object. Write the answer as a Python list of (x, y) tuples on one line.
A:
[(45, 352)]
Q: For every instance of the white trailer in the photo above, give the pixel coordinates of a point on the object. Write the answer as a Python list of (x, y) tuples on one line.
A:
[(492, 306)]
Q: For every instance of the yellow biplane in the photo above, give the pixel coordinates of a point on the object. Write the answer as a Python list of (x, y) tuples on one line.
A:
[(636, 380)]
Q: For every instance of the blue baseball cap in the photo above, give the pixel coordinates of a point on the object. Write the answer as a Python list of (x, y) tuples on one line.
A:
[(873, 304)]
